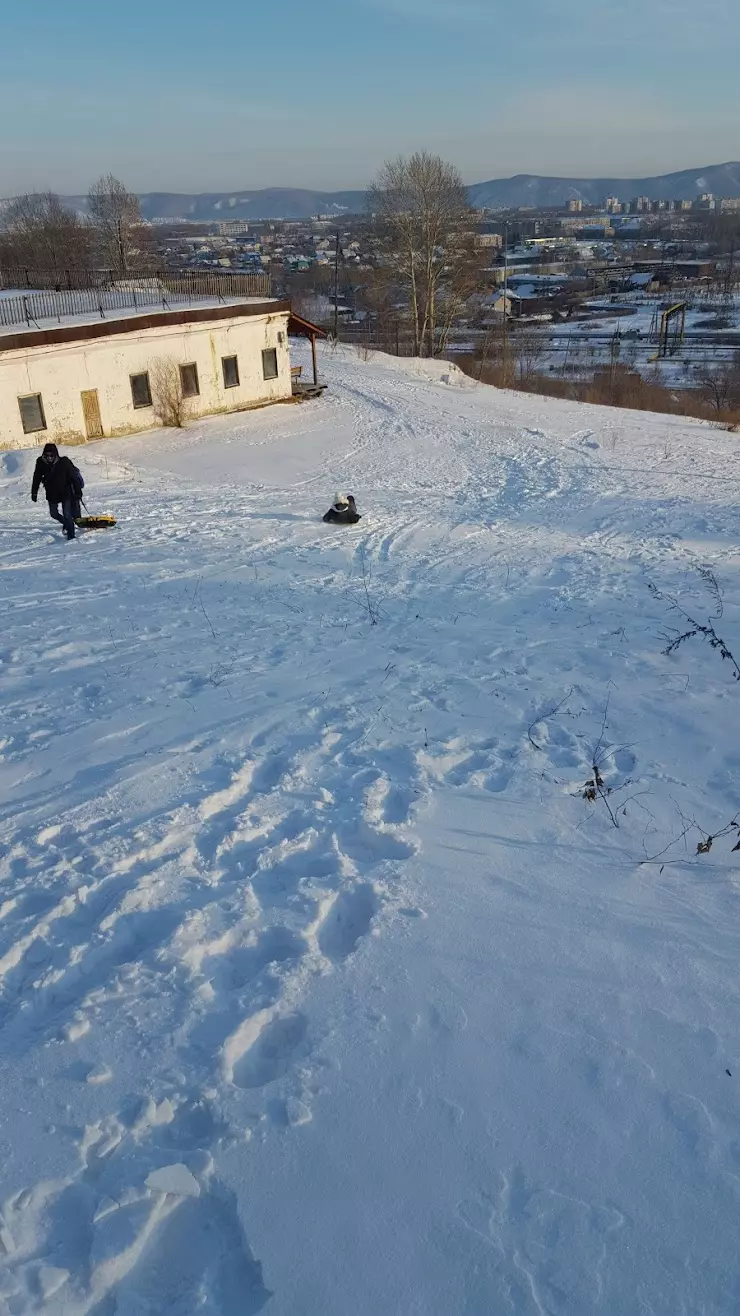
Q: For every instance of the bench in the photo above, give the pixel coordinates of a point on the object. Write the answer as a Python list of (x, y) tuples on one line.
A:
[(295, 373)]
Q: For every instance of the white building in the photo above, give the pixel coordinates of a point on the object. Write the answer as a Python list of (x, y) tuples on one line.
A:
[(233, 227), (504, 303), (84, 379)]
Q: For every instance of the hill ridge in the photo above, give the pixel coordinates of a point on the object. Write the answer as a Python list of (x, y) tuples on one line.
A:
[(498, 193)]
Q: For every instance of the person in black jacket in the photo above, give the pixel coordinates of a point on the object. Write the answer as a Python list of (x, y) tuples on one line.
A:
[(343, 511), (62, 483)]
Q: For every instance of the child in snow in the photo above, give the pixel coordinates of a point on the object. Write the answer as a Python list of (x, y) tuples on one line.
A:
[(343, 511), (63, 483)]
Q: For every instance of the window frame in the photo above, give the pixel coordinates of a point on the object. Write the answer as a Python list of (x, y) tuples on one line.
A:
[(36, 397), (272, 353), (190, 365), (141, 374), (235, 360)]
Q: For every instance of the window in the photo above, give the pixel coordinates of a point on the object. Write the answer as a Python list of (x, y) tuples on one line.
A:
[(140, 390), (269, 363), (32, 414), (230, 367), (189, 381)]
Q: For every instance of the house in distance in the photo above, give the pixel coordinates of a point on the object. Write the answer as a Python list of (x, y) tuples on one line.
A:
[(85, 378)]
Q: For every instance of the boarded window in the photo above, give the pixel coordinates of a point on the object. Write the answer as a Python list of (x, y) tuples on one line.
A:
[(32, 413), (140, 390), (189, 381), (230, 367), (269, 363)]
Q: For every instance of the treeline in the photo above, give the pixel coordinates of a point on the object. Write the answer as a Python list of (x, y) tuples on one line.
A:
[(38, 232)]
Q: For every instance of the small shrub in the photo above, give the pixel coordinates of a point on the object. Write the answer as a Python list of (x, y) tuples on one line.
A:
[(168, 403)]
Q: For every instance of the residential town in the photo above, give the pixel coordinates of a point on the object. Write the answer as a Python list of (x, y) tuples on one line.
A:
[(286, 247), (572, 297)]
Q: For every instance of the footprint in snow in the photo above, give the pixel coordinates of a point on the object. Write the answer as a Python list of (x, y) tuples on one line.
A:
[(270, 1054), (348, 921)]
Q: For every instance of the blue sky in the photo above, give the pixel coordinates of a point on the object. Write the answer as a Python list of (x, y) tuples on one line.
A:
[(185, 96)]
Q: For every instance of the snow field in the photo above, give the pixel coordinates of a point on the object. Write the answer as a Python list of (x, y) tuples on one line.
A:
[(323, 989)]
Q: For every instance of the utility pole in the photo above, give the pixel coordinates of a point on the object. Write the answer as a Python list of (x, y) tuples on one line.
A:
[(730, 267), (121, 247), (336, 289), (506, 321)]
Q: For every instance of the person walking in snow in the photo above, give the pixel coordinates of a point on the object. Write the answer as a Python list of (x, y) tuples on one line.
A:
[(63, 483)]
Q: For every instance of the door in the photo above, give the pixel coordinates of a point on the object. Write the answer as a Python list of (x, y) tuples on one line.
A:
[(91, 412)]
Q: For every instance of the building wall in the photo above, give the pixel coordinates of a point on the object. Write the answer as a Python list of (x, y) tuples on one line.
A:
[(61, 371)]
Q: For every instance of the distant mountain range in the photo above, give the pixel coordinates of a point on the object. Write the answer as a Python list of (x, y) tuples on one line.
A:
[(533, 190), (500, 193), (268, 203)]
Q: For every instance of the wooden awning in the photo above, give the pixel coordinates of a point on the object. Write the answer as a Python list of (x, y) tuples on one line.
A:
[(300, 328)]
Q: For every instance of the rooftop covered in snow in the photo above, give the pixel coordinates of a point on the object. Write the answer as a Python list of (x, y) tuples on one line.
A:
[(88, 324)]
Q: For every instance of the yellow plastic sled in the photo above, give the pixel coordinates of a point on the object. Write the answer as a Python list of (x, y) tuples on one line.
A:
[(95, 522)]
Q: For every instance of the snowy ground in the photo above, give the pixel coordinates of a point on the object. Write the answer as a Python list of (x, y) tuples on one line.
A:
[(304, 917)]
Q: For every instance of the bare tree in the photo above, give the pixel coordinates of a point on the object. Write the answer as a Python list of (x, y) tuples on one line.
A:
[(495, 364), (424, 231), (168, 402), (722, 233), (528, 349), (116, 216), (719, 385), (40, 233)]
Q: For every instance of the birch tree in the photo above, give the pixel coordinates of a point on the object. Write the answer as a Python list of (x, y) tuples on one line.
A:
[(424, 234), (116, 216)]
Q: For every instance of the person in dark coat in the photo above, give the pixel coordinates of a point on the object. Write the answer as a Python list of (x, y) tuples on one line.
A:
[(343, 511), (62, 483)]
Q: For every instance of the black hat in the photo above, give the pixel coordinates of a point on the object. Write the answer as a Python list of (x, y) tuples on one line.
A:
[(50, 450)]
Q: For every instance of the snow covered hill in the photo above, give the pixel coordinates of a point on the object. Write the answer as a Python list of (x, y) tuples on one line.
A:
[(324, 990)]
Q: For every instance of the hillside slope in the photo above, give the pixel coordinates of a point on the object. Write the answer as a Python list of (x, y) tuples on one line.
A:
[(304, 916), (261, 203)]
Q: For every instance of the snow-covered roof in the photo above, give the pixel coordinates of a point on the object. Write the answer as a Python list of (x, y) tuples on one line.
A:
[(61, 328)]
